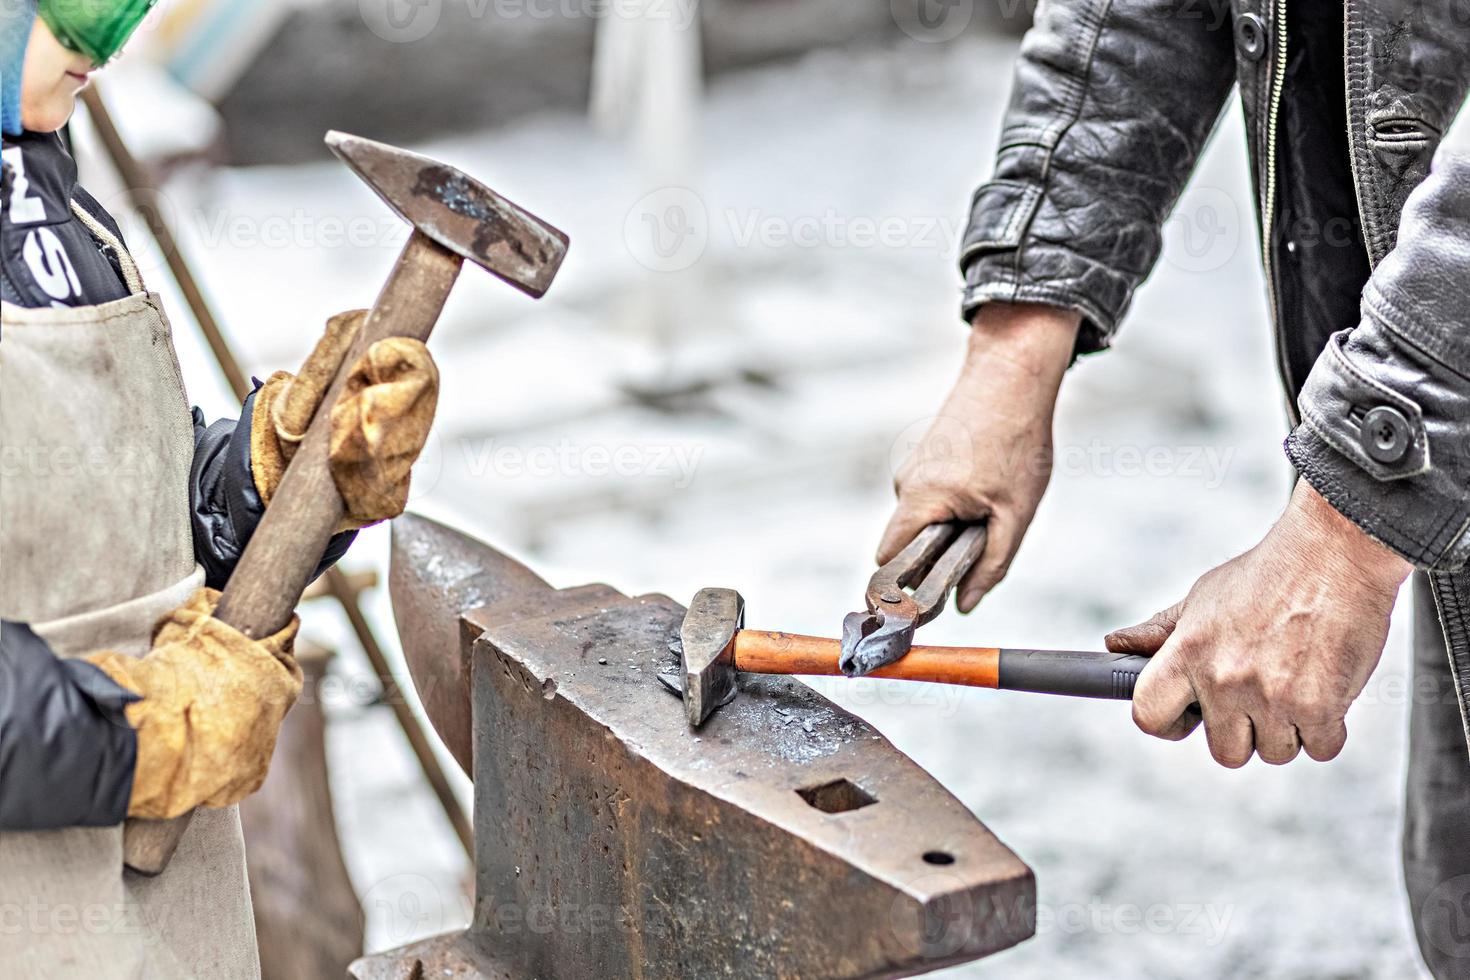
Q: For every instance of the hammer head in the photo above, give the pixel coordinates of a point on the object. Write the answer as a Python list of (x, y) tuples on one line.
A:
[(458, 212), (708, 639)]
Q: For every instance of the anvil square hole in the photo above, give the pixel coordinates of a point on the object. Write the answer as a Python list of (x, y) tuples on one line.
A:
[(838, 796)]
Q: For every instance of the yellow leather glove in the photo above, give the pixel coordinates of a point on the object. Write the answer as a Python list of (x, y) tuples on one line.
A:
[(213, 700), (379, 425)]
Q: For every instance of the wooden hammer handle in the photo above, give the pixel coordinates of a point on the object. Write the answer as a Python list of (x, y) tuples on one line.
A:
[(1065, 672), (306, 509), (761, 652), (288, 544)]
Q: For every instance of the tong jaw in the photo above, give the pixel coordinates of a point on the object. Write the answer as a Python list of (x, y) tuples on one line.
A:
[(931, 565)]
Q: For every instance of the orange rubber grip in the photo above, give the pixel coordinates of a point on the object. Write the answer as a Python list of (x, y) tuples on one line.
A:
[(763, 652)]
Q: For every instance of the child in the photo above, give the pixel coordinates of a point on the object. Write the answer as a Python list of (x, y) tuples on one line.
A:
[(120, 518)]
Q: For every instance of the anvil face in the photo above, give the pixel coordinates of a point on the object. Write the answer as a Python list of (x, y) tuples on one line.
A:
[(786, 838)]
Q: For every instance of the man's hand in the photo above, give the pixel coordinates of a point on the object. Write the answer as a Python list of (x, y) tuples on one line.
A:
[(1000, 412), (1274, 645)]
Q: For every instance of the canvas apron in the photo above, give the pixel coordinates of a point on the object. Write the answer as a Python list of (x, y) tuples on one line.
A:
[(96, 441)]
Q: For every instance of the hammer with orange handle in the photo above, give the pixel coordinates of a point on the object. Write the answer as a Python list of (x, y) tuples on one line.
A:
[(717, 648)]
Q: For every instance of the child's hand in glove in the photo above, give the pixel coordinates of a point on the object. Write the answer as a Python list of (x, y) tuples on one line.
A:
[(212, 703), (379, 425)]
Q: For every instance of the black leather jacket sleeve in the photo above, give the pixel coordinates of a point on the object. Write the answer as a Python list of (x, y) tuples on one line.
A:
[(1110, 107), (224, 505), (66, 749), (1385, 433)]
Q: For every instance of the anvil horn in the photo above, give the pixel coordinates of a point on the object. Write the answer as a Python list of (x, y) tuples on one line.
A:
[(437, 575), (787, 839)]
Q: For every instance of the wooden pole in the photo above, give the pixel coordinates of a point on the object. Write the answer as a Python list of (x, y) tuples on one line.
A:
[(308, 921)]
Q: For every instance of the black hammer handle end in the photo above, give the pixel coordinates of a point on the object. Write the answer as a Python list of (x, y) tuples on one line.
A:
[(1079, 675)]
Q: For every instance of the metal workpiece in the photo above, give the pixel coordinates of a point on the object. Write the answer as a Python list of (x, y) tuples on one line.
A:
[(906, 592), (786, 838)]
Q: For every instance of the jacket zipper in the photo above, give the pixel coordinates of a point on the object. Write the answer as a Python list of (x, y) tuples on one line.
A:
[(1268, 213), (1374, 255)]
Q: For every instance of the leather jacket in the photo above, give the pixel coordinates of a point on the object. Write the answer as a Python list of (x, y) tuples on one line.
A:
[(1367, 254)]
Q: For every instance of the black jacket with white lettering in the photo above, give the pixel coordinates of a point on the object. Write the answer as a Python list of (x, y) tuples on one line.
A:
[(66, 754)]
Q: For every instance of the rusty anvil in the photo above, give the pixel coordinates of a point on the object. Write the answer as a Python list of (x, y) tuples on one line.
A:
[(789, 839)]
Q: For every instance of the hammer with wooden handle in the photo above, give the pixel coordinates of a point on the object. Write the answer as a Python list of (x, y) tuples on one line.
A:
[(454, 219), (717, 648)]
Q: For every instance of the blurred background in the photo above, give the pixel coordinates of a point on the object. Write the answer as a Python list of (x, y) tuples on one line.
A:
[(756, 322)]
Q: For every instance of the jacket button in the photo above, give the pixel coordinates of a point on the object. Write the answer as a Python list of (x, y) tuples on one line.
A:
[(1250, 36), (1386, 435)]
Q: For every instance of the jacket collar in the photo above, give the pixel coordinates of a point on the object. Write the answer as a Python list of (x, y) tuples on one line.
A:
[(38, 167)]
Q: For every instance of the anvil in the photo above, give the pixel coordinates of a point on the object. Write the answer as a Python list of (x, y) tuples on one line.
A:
[(787, 838)]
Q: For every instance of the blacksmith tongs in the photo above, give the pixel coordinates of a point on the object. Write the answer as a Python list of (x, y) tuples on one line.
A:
[(906, 593)]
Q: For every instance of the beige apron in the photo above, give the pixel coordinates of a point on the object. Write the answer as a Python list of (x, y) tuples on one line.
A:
[(96, 441)]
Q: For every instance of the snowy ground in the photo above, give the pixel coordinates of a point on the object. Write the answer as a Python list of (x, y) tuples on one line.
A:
[(812, 356)]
